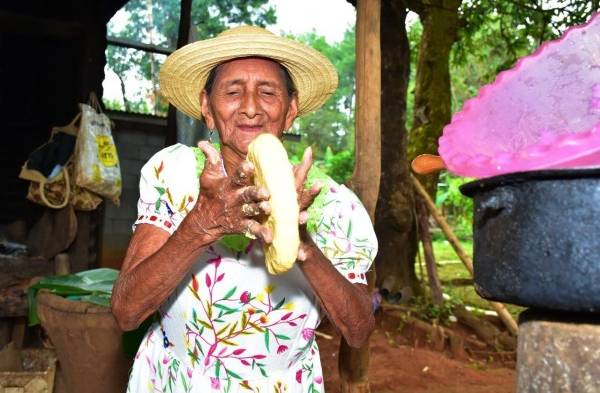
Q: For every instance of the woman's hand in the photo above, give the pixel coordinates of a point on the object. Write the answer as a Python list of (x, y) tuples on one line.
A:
[(229, 204), (305, 198)]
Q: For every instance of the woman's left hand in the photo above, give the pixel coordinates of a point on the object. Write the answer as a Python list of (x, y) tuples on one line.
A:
[(305, 198)]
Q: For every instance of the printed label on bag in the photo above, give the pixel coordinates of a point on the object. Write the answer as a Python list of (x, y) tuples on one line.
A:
[(96, 176), (107, 152)]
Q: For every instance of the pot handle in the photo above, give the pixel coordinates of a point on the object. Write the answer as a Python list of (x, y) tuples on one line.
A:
[(494, 204)]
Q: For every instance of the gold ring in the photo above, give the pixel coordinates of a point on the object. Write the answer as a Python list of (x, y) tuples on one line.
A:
[(247, 210), (249, 233)]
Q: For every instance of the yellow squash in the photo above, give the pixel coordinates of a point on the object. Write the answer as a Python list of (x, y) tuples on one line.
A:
[(274, 172)]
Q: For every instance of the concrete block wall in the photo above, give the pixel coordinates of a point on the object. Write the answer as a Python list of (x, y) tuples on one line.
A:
[(137, 138)]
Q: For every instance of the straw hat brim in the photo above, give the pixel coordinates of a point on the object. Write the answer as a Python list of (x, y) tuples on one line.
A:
[(185, 71)]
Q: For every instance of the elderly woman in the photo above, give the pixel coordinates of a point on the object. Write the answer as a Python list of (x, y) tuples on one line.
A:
[(224, 323)]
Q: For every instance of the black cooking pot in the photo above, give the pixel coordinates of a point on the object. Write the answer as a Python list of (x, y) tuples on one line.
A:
[(537, 238)]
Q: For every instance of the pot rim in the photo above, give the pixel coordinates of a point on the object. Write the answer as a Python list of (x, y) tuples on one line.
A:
[(481, 185)]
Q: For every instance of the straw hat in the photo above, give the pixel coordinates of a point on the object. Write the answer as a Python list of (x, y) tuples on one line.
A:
[(185, 71)]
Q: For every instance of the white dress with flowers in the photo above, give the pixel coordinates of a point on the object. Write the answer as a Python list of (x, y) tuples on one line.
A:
[(230, 326)]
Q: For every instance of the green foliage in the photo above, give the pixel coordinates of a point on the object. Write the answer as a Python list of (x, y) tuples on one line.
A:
[(430, 312), (338, 166), (414, 38), (157, 22), (332, 126), (457, 207)]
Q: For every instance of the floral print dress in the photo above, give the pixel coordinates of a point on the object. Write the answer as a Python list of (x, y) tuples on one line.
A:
[(230, 326)]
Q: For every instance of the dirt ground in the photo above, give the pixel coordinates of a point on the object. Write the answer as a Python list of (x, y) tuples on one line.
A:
[(403, 364)]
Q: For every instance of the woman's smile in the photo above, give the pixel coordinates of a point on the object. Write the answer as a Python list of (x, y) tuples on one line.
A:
[(250, 128)]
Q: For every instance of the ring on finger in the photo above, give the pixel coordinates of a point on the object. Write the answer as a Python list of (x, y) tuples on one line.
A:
[(248, 232), (248, 210)]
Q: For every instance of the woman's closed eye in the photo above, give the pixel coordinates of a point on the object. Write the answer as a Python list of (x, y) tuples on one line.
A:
[(268, 92)]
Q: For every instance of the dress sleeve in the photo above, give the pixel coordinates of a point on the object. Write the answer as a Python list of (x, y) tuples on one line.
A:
[(345, 234), (169, 188)]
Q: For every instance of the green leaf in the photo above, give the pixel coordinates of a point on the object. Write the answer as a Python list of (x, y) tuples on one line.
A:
[(98, 275), (282, 337), (263, 372), (267, 339), (218, 368), (232, 374), (237, 243), (160, 190), (205, 324), (278, 305), (222, 330), (228, 310), (229, 293)]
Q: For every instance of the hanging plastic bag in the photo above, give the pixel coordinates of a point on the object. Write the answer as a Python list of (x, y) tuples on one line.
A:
[(49, 168), (97, 163)]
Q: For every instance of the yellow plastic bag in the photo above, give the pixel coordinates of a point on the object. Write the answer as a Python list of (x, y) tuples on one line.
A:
[(97, 163)]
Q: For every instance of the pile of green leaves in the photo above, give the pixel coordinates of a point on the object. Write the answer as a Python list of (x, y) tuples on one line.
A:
[(91, 286)]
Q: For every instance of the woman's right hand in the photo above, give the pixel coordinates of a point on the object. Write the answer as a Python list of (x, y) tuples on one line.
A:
[(229, 204)]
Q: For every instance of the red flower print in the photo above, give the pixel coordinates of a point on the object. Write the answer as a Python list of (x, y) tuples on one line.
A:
[(299, 376), (281, 349), (245, 297), (263, 319), (319, 379), (307, 333), (207, 280), (215, 383)]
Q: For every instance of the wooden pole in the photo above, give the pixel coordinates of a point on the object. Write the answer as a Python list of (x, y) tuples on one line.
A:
[(182, 39), (354, 363), (425, 235), (466, 259), (367, 169)]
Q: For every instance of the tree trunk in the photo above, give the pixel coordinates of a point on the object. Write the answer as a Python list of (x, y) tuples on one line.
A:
[(432, 109), (395, 218), (354, 363)]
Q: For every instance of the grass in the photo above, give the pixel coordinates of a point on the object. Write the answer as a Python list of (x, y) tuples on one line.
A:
[(455, 278)]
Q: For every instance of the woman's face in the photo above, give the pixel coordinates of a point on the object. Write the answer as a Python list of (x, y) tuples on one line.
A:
[(248, 97)]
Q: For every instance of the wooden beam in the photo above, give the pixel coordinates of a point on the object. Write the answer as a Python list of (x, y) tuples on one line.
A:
[(126, 43)]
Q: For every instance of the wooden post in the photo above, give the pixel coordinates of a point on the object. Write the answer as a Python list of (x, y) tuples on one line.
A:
[(182, 39), (434, 281), (354, 363), (367, 169), (466, 259)]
